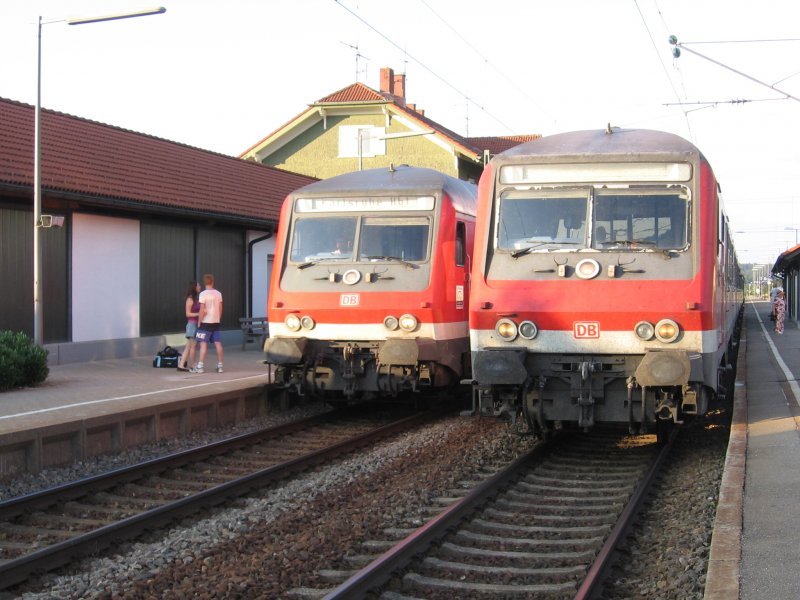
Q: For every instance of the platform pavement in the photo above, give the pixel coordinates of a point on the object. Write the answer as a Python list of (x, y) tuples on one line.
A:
[(99, 406), (770, 543)]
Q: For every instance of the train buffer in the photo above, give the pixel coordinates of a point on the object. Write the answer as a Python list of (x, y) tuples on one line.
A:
[(254, 329)]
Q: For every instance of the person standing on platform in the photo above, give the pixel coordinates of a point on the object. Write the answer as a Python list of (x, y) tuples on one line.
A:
[(192, 310), (779, 307), (208, 323), (772, 294)]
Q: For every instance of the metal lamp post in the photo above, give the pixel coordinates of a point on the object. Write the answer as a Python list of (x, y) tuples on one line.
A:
[(38, 318)]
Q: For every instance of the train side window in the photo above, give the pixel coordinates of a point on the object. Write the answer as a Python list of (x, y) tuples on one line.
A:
[(461, 243)]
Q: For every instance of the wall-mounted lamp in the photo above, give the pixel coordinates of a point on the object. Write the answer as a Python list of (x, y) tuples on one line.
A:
[(48, 221)]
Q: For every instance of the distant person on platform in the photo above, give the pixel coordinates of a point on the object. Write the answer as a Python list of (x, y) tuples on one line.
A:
[(208, 323), (780, 311), (772, 294)]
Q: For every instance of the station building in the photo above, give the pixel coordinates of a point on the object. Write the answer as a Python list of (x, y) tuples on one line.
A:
[(142, 216)]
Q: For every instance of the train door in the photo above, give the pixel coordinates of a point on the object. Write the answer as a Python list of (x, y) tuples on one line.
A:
[(462, 260)]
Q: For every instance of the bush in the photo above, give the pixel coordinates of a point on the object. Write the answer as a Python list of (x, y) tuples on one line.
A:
[(22, 363)]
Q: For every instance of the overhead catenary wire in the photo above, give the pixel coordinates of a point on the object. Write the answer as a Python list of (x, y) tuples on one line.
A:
[(661, 62), (426, 67), (487, 62), (679, 45)]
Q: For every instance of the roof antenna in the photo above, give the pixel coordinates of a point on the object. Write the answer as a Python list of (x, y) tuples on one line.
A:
[(358, 55)]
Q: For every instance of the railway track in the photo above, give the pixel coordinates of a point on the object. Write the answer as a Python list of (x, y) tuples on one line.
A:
[(45, 530), (544, 527)]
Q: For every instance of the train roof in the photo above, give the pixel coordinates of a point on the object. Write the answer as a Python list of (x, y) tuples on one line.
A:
[(612, 141), (402, 179)]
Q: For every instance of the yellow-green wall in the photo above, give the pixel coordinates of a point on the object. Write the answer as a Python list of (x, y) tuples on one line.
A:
[(316, 151)]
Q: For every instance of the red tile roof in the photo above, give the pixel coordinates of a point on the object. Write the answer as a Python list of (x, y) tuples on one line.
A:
[(358, 92), (111, 164), (498, 144)]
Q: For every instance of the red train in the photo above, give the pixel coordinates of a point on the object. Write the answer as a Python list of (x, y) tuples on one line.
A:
[(368, 295), (605, 286)]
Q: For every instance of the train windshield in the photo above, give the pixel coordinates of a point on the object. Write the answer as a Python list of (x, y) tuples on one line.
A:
[(323, 238), (622, 218), (632, 218), (542, 220), (403, 238), (369, 229)]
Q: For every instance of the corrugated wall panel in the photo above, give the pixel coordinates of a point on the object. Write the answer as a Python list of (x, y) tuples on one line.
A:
[(167, 266), (221, 252), (16, 273)]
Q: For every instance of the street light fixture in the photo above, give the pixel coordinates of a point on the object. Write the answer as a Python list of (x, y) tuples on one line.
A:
[(38, 315)]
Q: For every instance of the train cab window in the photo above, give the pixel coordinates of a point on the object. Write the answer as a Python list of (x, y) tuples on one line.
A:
[(542, 220), (635, 219), (323, 238), (405, 238), (461, 244)]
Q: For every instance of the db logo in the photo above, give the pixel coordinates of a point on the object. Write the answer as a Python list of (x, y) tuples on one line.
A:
[(586, 329), (348, 300)]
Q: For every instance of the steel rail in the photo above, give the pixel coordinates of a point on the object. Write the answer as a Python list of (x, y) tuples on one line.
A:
[(380, 570), (41, 500), (17, 570), (596, 573)]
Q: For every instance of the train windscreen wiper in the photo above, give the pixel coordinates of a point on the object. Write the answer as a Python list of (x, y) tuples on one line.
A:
[(550, 246), (628, 243), (311, 263), (410, 265)]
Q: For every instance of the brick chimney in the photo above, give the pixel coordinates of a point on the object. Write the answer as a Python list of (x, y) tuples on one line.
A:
[(387, 80), (400, 86), (393, 84)]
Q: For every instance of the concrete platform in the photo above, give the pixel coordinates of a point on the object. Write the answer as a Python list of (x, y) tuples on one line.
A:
[(755, 552), (97, 407)]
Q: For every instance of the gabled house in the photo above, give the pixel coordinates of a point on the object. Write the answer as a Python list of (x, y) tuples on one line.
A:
[(360, 128), (142, 216)]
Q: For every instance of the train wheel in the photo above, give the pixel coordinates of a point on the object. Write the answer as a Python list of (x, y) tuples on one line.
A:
[(530, 407)]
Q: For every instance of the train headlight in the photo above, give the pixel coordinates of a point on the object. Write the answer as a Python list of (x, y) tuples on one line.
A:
[(307, 323), (293, 323), (391, 323), (644, 330), (506, 329), (408, 323), (588, 268), (667, 330), (351, 277), (528, 330)]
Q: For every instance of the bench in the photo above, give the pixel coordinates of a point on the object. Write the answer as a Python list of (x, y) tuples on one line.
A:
[(254, 329)]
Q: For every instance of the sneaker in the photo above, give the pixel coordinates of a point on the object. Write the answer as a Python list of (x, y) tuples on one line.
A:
[(219, 368), (196, 370)]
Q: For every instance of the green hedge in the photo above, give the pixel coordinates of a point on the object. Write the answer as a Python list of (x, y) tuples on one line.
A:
[(22, 363)]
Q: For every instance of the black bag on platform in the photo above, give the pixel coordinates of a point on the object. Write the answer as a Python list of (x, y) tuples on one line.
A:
[(167, 358)]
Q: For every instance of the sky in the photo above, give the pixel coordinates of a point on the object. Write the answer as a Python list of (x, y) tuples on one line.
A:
[(223, 75)]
